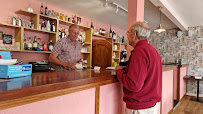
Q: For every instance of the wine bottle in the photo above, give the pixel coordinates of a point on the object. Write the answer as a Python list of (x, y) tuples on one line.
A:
[(41, 9), (35, 43), (46, 10), (51, 45), (92, 26), (24, 43), (110, 32)]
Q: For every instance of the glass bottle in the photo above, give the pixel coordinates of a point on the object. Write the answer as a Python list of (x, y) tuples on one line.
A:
[(30, 44), (46, 10), (35, 43), (41, 9), (51, 45), (48, 26), (53, 27), (110, 32)]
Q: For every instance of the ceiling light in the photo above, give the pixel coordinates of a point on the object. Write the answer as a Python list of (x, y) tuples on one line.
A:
[(118, 6), (160, 28), (105, 4), (116, 11)]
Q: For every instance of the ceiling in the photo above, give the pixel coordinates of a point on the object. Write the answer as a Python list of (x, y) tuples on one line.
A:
[(176, 13)]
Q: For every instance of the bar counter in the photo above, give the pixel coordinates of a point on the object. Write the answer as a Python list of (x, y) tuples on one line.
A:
[(45, 85)]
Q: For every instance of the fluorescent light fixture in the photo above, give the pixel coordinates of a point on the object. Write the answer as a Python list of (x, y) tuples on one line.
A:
[(118, 6), (106, 3)]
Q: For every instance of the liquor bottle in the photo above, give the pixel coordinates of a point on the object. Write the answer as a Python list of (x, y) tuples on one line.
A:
[(59, 33), (14, 20), (19, 21), (39, 45), (35, 43), (65, 33), (62, 33), (48, 26), (110, 32), (51, 45), (92, 26), (24, 43), (30, 44), (60, 16), (57, 15), (46, 10), (41, 9), (53, 28)]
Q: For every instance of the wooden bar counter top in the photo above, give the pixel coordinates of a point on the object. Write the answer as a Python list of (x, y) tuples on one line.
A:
[(45, 85)]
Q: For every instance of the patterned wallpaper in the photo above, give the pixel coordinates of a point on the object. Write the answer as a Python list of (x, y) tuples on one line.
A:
[(187, 45)]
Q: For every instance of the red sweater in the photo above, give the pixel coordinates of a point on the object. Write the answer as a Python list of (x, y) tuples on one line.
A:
[(142, 78)]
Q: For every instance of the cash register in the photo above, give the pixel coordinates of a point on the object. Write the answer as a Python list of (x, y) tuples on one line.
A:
[(40, 66)]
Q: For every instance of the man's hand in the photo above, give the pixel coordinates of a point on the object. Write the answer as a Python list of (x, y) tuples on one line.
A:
[(120, 67), (70, 65)]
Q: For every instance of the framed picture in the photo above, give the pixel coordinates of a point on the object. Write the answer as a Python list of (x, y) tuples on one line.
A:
[(7, 39), (1, 35)]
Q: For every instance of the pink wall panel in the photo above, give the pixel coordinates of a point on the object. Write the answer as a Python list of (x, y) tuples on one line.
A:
[(175, 84), (167, 92), (82, 102), (183, 72), (111, 99)]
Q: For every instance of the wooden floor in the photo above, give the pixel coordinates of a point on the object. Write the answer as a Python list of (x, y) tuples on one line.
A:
[(189, 107)]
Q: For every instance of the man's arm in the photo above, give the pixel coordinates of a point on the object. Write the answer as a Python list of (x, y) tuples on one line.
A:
[(53, 59)]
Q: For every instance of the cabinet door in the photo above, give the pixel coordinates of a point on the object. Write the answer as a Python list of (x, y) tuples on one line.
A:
[(101, 53)]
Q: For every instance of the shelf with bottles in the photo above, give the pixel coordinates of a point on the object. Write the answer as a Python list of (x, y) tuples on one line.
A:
[(9, 50), (70, 23), (9, 25), (35, 51), (26, 28), (123, 43)]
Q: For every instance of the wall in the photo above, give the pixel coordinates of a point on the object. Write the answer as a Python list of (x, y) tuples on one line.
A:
[(170, 46), (8, 10)]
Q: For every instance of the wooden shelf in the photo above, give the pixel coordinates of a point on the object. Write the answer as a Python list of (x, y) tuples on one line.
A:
[(102, 36), (8, 50), (85, 43), (27, 51), (117, 43), (117, 50), (9, 25), (86, 52), (26, 28), (69, 23), (47, 17), (25, 12), (123, 44), (36, 51)]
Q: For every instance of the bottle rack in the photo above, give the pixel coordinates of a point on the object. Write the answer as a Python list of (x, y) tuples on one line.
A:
[(19, 33)]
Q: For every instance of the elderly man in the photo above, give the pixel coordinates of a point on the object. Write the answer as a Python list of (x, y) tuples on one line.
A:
[(67, 51), (142, 78)]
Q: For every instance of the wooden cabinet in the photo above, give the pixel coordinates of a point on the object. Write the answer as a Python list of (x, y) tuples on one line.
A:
[(115, 52)]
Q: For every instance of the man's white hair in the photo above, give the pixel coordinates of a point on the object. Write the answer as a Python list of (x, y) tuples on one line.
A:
[(142, 32)]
